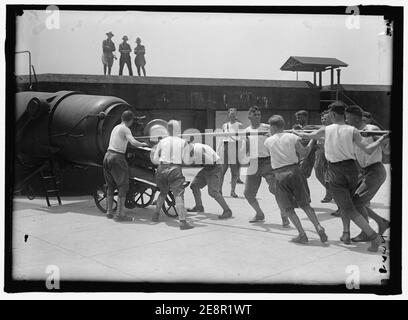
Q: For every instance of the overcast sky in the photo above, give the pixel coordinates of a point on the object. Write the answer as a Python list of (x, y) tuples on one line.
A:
[(215, 45)]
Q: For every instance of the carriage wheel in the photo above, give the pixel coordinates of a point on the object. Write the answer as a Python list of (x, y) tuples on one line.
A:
[(139, 197), (169, 207), (29, 191), (100, 198)]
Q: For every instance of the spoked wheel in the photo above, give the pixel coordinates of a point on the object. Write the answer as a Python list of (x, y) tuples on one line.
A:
[(169, 207), (139, 196), (29, 191), (100, 198)]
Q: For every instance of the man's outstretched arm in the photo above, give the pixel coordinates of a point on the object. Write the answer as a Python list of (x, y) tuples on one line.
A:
[(367, 147), (133, 141), (312, 135)]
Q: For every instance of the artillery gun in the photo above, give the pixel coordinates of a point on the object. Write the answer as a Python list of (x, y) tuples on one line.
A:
[(55, 131)]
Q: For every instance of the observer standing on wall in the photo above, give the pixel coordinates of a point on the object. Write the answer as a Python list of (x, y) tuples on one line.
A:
[(108, 47), (140, 60), (125, 50)]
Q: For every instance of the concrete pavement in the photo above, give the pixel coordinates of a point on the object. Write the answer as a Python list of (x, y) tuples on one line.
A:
[(84, 245)]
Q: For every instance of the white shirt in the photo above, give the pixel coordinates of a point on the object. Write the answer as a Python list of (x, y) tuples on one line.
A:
[(338, 142), (257, 147), (365, 159), (231, 128), (172, 150), (281, 147), (118, 141), (204, 154)]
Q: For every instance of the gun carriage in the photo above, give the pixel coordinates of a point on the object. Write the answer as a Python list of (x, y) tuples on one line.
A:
[(68, 128)]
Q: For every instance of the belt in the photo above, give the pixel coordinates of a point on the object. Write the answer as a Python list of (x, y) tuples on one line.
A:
[(343, 161), (117, 152), (169, 164), (372, 165), (285, 167), (211, 166)]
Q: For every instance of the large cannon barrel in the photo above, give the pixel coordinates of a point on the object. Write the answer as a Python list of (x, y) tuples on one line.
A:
[(72, 125)]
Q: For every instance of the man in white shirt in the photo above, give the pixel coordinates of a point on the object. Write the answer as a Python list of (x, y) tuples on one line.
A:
[(372, 172), (169, 154), (210, 176), (259, 165), (115, 166), (230, 149), (292, 189), (339, 145)]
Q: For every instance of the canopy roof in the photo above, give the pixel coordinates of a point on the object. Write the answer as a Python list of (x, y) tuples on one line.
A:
[(311, 64)]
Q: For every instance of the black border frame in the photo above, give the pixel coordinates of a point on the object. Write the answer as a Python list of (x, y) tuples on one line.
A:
[(393, 286)]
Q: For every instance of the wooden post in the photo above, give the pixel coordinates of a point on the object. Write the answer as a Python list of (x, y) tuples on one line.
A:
[(338, 76), (320, 79), (331, 77), (314, 77)]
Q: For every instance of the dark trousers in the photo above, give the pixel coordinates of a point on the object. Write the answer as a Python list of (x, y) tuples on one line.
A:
[(306, 165), (230, 161), (343, 182), (209, 176), (122, 62), (370, 181), (321, 170), (292, 189), (116, 173)]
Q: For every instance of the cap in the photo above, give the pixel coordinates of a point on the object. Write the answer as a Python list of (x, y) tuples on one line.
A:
[(355, 109), (338, 107), (302, 112)]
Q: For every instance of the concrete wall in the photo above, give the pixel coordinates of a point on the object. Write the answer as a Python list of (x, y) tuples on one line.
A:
[(195, 105)]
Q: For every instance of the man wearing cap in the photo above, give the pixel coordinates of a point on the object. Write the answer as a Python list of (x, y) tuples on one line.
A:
[(140, 60), (210, 175), (108, 47), (169, 154), (125, 50), (339, 147), (372, 173), (292, 189), (115, 166), (259, 165)]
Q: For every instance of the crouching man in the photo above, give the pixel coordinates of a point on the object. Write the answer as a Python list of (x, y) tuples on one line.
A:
[(169, 154), (115, 166), (291, 184), (211, 175)]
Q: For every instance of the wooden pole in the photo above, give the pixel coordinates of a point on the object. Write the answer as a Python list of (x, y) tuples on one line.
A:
[(331, 77), (246, 134), (320, 79)]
